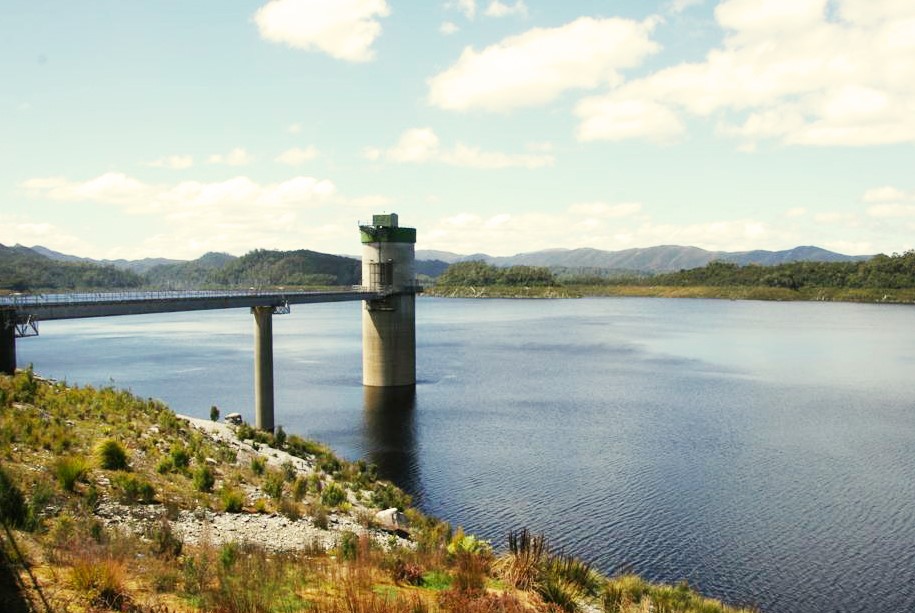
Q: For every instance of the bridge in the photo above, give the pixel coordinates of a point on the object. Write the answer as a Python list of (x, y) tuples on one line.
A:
[(388, 315), (21, 314)]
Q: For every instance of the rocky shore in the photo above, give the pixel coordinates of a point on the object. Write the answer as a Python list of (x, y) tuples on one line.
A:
[(272, 531)]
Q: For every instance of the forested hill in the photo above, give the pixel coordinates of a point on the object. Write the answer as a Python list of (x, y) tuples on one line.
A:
[(22, 270), (301, 267)]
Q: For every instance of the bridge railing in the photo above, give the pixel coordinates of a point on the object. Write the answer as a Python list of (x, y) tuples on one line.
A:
[(17, 301)]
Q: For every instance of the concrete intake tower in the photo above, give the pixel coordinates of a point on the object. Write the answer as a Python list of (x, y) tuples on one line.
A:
[(388, 323)]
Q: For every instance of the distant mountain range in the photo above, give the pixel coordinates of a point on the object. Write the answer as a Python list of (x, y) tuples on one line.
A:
[(137, 266), (664, 258), (27, 268)]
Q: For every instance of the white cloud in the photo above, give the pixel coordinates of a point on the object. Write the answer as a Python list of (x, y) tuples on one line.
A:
[(235, 157), (796, 212), (415, 145), (837, 218), (473, 157), (604, 210), (507, 234), (238, 214), (892, 210), (421, 145), (175, 162), (542, 147), (297, 156), (24, 231), (109, 188), (678, 6), (885, 194), (620, 119), (294, 128), (537, 66), (889, 202), (448, 28), (748, 17), (467, 7), (500, 9), (790, 71), (343, 29)]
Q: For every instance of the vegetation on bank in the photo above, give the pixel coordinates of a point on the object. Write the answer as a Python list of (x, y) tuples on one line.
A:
[(880, 279), (69, 455), (478, 273)]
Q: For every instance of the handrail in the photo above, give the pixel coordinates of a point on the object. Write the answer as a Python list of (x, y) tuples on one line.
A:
[(79, 298)]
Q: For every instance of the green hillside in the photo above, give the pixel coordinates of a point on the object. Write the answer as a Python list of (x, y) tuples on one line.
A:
[(23, 270)]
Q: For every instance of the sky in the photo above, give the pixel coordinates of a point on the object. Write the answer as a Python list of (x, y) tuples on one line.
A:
[(171, 128)]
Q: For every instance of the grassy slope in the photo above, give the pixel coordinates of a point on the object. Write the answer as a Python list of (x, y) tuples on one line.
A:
[(55, 441)]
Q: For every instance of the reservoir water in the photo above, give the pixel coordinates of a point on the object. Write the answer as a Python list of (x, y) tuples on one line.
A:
[(763, 452)]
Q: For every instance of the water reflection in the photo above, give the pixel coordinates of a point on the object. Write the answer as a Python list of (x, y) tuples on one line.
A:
[(390, 435)]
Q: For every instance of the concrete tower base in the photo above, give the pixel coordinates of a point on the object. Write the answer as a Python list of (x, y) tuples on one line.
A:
[(389, 341)]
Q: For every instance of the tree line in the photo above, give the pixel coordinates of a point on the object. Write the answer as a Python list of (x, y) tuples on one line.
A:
[(895, 271), (479, 273)]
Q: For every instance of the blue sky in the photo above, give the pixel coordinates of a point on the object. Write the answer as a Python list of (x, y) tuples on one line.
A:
[(173, 128)]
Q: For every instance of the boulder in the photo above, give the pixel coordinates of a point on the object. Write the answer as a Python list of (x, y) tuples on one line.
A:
[(392, 519)]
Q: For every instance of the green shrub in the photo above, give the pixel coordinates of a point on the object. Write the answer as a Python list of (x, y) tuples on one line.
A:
[(348, 548), (165, 544), (299, 488), (69, 471), (204, 479), (165, 466), (333, 495), (329, 464), (289, 471), (318, 514), (179, 457), (214, 413), (273, 485), (258, 465), (289, 509), (386, 495), (111, 455), (133, 489), (232, 500), (13, 511), (25, 386), (245, 432), (279, 439), (228, 555)]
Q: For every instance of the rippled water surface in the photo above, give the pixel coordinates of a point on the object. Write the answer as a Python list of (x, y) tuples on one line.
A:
[(764, 452)]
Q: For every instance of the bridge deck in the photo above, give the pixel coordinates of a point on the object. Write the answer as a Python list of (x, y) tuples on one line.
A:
[(46, 307)]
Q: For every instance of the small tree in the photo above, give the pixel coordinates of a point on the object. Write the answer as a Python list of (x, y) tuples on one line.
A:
[(214, 413)]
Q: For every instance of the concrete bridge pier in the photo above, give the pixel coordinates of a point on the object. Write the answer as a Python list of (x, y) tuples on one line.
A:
[(7, 343), (263, 367)]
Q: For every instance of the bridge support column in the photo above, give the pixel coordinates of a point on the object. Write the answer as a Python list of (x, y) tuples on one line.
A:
[(263, 367), (7, 343)]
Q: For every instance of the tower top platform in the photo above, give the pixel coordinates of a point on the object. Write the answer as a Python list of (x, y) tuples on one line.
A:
[(384, 228)]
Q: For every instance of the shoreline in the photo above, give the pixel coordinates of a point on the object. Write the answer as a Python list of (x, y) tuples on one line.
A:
[(772, 294)]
